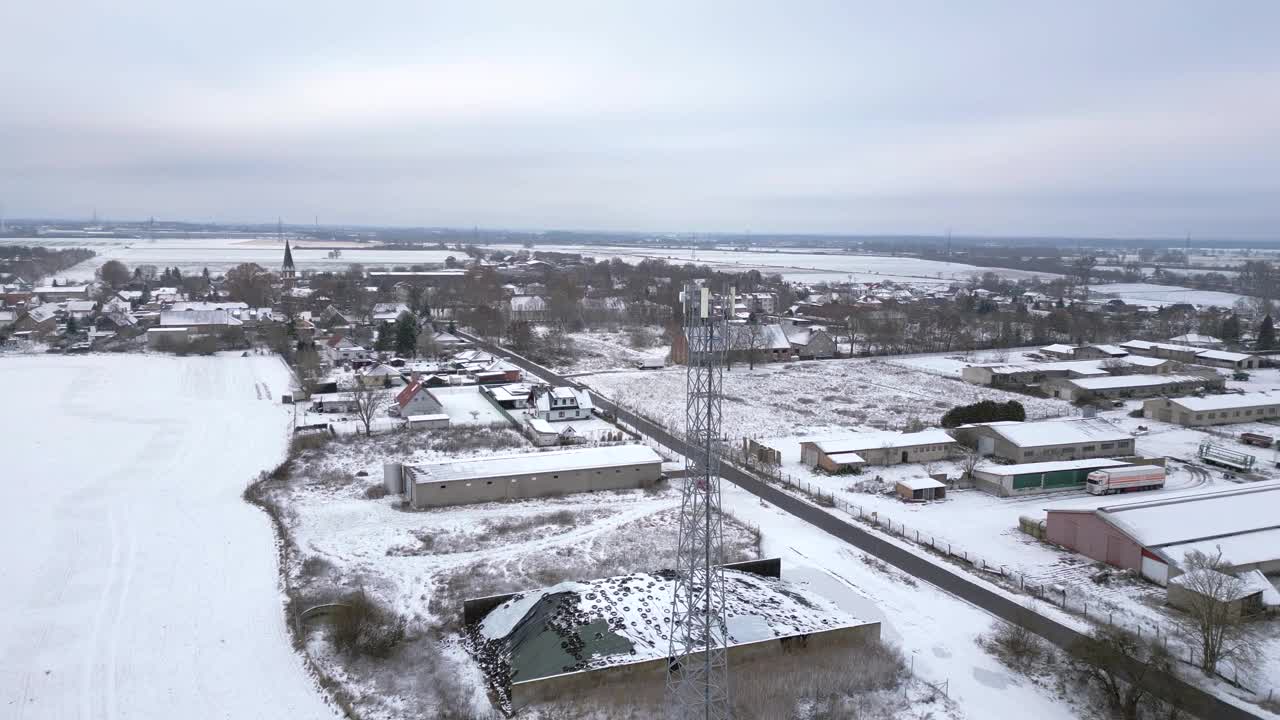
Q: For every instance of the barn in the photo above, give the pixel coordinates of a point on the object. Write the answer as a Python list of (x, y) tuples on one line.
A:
[(527, 475), (1069, 439), (1213, 410), (853, 451), (1151, 537)]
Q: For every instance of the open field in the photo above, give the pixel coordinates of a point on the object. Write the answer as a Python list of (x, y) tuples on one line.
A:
[(1160, 295), (139, 583), (811, 397)]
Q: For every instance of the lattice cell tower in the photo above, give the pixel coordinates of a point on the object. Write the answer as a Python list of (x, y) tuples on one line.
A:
[(698, 677)]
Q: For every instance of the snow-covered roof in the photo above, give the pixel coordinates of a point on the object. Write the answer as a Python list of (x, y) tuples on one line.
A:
[(1059, 348), (528, 303), (1196, 339), (882, 439), (1057, 432), (1147, 345), (1223, 355), (198, 306), (184, 318), (1045, 467), (1114, 350), (539, 462), (1226, 402), (426, 418), (1221, 583), (1113, 382), (1195, 517), (920, 483), (626, 616)]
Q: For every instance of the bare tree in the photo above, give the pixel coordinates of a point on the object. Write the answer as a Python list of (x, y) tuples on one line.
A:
[(369, 401), (307, 365), (1213, 621), (969, 460), (755, 337), (1125, 670)]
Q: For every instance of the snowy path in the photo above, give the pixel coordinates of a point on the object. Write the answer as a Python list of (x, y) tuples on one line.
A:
[(140, 584)]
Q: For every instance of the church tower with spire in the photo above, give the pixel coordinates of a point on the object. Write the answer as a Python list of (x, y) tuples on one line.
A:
[(287, 273)]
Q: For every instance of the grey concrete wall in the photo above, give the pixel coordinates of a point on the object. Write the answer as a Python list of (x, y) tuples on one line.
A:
[(529, 485), (655, 671)]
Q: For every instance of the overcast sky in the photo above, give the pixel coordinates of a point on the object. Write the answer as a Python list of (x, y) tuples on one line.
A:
[(1048, 118)]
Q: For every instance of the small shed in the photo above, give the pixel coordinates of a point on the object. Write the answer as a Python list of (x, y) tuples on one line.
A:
[(920, 489), (437, 421), (1201, 588)]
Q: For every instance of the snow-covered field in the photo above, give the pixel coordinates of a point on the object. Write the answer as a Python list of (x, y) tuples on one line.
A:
[(797, 265), (139, 583), (221, 254), (607, 350), (811, 397), (1160, 295)]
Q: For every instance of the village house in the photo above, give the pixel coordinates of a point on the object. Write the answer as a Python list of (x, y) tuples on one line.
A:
[(38, 321), (527, 308), (199, 322), (809, 343), (560, 403), (416, 399)]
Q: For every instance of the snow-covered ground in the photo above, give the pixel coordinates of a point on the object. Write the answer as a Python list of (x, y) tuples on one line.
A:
[(1160, 295), (936, 630), (139, 584), (598, 350), (811, 397), (799, 266), (950, 364), (221, 254)]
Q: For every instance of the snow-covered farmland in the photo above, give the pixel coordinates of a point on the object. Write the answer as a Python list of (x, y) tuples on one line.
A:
[(811, 397), (1160, 295), (818, 265), (139, 584), (597, 350)]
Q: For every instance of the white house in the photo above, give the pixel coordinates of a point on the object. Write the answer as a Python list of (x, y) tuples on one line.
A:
[(561, 403), (415, 399)]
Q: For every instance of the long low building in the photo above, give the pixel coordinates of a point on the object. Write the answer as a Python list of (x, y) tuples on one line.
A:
[(1041, 477), (876, 448), (1152, 537), (1213, 410), (527, 475), (1131, 386), (567, 639), (1069, 439)]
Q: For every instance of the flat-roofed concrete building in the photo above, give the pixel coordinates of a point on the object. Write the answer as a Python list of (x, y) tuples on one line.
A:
[(527, 475), (1213, 410), (852, 452), (1131, 386), (1025, 442)]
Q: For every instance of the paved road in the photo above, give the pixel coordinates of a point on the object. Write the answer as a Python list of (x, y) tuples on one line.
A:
[(1197, 702)]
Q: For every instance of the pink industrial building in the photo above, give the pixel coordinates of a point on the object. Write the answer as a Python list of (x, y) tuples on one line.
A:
[(1151, 537)]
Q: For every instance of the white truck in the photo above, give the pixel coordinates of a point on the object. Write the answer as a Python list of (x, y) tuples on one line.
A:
[(1125, 479), (650, 364)]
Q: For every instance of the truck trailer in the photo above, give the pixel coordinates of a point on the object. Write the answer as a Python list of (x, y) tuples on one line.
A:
[(1125, 479)]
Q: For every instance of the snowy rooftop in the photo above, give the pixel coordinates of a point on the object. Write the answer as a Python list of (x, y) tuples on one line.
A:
[(884, 439), (1058, 432), (920, 483), (1058, 348), (1112, 349), (1199, 516), (536, 462), (1053, 466), (1226, 402), (1113, 382), (576, 626), (1223, 355), (1221, 583)]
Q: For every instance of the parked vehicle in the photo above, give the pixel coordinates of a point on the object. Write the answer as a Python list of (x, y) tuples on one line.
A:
[(1125, 479), (651, 364), (1257, 439)]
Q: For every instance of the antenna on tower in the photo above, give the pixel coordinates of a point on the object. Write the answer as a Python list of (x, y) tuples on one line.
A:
[(698, 664), (279, 228)]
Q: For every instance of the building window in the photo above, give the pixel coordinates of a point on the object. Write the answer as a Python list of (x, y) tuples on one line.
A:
[(1026, 453), (1199, 416), (1088, 448), (1108, 446)]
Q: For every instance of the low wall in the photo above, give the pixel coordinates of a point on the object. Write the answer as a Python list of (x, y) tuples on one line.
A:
[(655, 670)]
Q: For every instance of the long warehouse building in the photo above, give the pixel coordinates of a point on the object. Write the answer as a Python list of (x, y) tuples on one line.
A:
[(527, 475)]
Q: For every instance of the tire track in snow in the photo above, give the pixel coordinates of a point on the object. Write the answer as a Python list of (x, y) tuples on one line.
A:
[(90, 663)]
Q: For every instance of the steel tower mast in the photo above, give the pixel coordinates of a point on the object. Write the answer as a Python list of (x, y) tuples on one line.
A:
[(698, 675)]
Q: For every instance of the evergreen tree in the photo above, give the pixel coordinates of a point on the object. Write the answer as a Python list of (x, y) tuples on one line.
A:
[(1267, 334), (386, 337), (406, 331), (71, 326), (1230, 330)]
